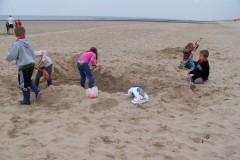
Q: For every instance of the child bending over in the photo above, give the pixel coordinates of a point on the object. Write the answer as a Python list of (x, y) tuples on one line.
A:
[(83, 67), (43, 62)]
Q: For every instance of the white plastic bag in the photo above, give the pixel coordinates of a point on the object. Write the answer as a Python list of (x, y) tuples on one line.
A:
[(92, 92), (137, 98)]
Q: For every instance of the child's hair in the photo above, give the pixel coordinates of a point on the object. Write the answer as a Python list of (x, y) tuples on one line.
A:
[(205, 53), (94, 50), (189, 46), (19, 31)]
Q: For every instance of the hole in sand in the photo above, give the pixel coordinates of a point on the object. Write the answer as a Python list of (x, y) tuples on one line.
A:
[(151, 77), (65, 72)]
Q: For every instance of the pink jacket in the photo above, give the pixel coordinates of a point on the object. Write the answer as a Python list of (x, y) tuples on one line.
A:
[(87, 57)]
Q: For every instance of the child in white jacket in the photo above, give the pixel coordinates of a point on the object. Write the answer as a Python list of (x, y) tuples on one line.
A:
[(43, 62)]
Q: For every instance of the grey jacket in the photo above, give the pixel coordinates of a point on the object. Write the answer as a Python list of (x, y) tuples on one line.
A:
[(21, 51)]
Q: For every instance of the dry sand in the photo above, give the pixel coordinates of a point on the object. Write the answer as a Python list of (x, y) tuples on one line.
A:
[(176, 124)]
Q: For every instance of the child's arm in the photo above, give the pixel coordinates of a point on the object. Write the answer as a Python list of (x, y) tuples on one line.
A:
[(205, 72), (37, 66), (13, 53), (93, 60), (193, 71), (197, 44)]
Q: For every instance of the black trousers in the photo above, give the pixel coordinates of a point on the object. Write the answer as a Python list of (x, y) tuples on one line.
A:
[(39, 75), (25, 75)]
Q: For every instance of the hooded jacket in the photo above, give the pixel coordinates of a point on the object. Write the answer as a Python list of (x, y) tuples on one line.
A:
[(22, 52), (201, 70)]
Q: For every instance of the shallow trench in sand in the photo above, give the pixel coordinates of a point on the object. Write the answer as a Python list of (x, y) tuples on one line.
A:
[(65, 72)]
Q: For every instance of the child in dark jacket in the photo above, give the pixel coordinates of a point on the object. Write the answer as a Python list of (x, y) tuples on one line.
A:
[(201, 71), (23, 53)]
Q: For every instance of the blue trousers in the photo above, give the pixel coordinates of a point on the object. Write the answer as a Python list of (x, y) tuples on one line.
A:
[(85, 71)]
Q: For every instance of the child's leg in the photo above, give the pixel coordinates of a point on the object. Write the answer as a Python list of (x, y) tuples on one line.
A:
[(32, 85), (49, 82), (49, 71), (37, 78), (89, 76), (36, 90), (195, 63), (188, 65), (191, 62), (24, 79), (26, 97), (198, 80), (82, 74)]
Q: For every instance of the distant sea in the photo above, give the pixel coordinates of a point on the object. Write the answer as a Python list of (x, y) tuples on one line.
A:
[(89, 18)]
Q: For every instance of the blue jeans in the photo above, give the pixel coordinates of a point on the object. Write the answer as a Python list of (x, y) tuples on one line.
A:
[(85, 71), (191, 64)]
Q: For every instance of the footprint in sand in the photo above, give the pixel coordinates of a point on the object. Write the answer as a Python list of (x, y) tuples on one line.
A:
[(201, 140), (57, 140), (103, 105), (13, 132), (109, 155), (106, 140), (158, 144)]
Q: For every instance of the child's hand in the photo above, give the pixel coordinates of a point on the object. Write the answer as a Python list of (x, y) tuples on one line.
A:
[(98, 65), (197, 42), (76, 56)]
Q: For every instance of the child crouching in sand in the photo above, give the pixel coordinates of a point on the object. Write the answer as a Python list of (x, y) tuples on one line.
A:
[(43, 62), (201, 71), (23, 53)]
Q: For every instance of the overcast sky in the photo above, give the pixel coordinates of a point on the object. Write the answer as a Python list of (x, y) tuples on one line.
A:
[(166, 9)]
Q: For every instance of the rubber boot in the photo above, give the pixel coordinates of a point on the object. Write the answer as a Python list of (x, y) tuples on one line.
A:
[(37, 82), (90, 85), (49, 82), (26, 97), (83, 85), (36, 90)]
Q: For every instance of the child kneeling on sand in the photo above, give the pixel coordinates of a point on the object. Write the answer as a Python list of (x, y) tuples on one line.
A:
[(23, 53), (201, 71), (43, 62), (188, 52)]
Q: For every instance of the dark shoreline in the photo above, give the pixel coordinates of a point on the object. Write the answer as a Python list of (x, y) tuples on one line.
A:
[(120, 19)]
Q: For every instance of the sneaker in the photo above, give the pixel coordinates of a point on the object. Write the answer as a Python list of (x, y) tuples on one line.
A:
[(23, 103), (38, 96)]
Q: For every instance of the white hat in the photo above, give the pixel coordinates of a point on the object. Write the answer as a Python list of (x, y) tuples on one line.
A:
[(41, 53), (38, 53)]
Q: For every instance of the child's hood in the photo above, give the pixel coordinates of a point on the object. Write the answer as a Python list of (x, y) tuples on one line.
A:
[(25, 42)]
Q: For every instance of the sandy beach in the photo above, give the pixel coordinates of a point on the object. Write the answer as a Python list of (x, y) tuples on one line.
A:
[(176, 123)]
